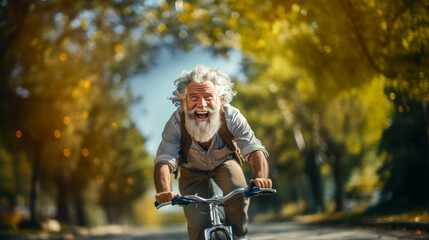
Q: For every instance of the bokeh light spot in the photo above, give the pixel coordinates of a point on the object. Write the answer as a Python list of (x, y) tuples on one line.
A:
[(57, 133), (66, 152), (85, 83), (85, 114), (161, 28), (113, 187), (84, 25), (117, 48), (74, 93), (327, 49), (130, 181), (66, 120), (183, 34), (63, 57), (18, 133), (85, 152), (295, 7)]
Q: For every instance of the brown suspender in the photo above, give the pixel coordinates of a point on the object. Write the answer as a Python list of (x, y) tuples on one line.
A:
[(224, 133), (185, 141), (228, 138)]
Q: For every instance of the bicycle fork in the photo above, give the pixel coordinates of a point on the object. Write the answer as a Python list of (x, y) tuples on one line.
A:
[(216, 223)]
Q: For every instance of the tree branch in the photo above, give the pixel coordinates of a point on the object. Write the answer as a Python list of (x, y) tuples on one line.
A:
[(348, 9), (392, 21)]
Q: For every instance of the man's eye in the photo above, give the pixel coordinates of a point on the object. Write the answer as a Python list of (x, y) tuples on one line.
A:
[(209, 98), (194, 98)]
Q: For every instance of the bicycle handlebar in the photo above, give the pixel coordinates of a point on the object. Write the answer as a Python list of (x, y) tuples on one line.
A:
[(246, 191)]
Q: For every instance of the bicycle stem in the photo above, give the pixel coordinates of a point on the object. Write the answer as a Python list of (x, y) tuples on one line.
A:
[(214, 214)]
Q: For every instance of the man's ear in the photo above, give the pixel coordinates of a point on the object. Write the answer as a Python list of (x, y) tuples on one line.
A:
[(183, 103)]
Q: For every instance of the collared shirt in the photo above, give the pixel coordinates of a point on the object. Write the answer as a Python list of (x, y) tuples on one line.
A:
[(209, 159)]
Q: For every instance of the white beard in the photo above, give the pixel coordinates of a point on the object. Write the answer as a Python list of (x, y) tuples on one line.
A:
[(202, 131)]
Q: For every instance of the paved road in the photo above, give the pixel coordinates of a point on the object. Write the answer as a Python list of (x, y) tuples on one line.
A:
[(266, 231), (276, 231)]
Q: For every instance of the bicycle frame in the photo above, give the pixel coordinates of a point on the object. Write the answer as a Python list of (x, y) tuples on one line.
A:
[(216, 223)]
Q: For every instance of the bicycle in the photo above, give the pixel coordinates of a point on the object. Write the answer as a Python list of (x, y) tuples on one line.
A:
[(218, 231)]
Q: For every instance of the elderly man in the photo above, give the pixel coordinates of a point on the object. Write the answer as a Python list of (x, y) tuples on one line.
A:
[(202, 97)]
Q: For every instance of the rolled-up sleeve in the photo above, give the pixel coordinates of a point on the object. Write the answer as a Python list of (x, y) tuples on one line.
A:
[(243, 134), (169, 147)]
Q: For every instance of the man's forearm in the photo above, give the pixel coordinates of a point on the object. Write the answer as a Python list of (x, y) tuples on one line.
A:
[(259, 165), (162, 178)]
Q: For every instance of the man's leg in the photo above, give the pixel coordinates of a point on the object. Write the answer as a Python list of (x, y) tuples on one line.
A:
[(229, 176), (195, 183)]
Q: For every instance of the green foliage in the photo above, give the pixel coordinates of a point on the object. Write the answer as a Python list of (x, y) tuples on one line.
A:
[(124, 174), (316, 70), (337, 51), (64, 68)]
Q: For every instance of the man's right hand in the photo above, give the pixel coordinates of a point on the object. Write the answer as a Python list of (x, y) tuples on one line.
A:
[(164, 197)]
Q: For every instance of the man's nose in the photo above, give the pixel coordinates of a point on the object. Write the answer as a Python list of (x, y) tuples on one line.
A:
[(202, 103)]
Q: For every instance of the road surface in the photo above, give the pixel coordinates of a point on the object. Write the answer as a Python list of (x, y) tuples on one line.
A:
[(273, 231), (265, 231)]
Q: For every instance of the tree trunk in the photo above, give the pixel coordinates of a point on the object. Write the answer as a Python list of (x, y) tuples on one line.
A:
[(338, 168), (63, 201), (34, 190), (336, 152), (80, 210), (316, 184), (109, 214), (426, 119)]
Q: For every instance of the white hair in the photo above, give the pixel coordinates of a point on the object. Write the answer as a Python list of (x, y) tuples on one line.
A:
[(200, 74)]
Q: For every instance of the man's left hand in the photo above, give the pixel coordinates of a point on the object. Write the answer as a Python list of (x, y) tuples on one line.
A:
[(262, 182)]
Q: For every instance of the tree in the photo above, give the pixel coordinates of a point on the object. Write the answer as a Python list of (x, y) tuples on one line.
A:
[(405, 145), (329, 51), (55, 58), (127, 177), (332, 51)]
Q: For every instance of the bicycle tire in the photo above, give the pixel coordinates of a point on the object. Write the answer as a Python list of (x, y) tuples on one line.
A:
[(219, 235)]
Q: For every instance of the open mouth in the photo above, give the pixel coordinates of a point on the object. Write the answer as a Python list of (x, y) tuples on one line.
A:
[(203, 116)]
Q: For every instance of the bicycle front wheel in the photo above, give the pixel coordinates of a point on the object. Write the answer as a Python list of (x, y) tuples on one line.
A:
[(220, 235)]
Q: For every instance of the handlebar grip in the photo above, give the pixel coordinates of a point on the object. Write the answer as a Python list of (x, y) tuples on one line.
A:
[(175, 201), (254, 190), (180, 201)]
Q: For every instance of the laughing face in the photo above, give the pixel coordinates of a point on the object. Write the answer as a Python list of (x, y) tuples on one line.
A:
[(202, 107)]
